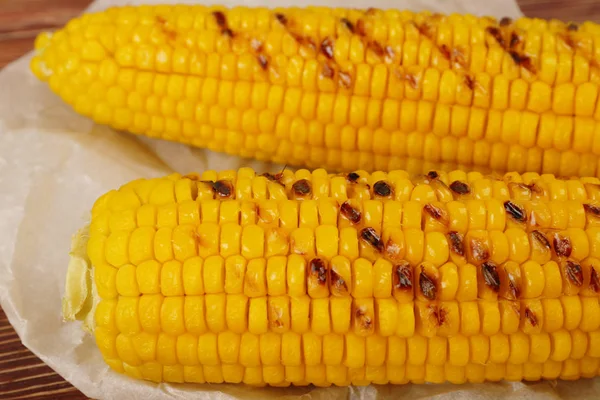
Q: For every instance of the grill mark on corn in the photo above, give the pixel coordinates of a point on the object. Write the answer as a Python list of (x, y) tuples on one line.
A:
[(327, 71), (505, 21), (371, 236), (562, 245), (362, 319), (432, 175), (479, 250), (460, 187), (436, 213), (576, 47), (490, 276), (520, 59), (457, 244), (352, 177), (592, 209), (263, 61), (221, 21), (574, 273), (169, 33), (438, 313), (337, 281), (344, 80), (348, 24), (594, 281), (223, 189), (383, 189), (515, 211), (455, 55), (515, 40), (302, 187), (402, 277), (427, 285), (318, 271), (513, 286), (351, 213), (281, 18), (541, 239), (531, 317), (327, 48)]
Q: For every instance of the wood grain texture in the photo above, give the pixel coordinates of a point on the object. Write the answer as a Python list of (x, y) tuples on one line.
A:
[(22, 374)]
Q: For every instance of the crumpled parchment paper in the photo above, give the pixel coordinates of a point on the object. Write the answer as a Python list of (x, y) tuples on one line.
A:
[(54, 164)]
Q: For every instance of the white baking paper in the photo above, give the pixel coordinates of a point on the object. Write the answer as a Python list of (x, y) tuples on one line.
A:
[(54, 164)]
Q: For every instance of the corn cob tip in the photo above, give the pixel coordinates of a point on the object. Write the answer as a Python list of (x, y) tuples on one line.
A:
[(80, 297)]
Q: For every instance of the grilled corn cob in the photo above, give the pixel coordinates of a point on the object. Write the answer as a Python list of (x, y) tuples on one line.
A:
[(341, 89), (314, 278)]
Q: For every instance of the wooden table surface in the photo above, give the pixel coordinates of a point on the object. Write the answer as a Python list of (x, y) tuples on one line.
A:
[(22, 374)]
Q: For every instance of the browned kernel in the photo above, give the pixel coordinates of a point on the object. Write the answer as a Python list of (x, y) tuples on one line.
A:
[(523, 60), (351, 213), (263, 61), (513, 286), (594, 281), (349, 25), (223, 189), (460, 187), (505, 21), (470, 83), (376, 48), (301, 187), (220, 19), (327, 48), (439, 314), (496, 34), (479, 250), (389, 53), (360, 27), (337, 281), (402, 276), (370, 236), (382, 188), (412, 80), (515, 211), (281, 18), (436, 213), (572, 27), (327, 71), (541, 239), (562, 245), (427, 285), (530, 315), (345, 80), (362, 320), (515, 40), (318, 271), (490, 276), (457, 244), (433, 175), (352, 177), (445, 50), (592, 209), (574, 273)]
